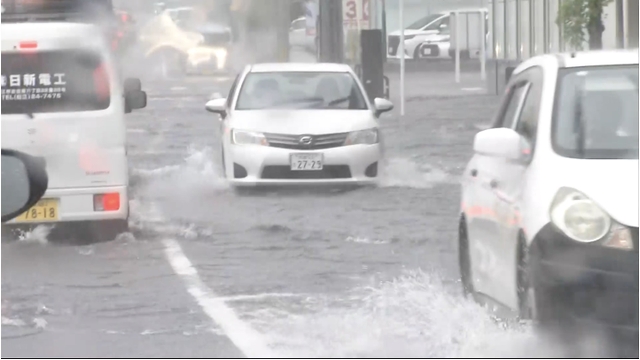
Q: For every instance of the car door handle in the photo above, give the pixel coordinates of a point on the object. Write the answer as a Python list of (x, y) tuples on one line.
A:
[(474, 172)]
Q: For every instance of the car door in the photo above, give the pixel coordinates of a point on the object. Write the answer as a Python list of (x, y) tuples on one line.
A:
[(511, 182), (483, 223)]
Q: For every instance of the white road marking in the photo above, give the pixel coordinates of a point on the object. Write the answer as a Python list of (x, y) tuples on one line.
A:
[(246, 339), (472, 89)]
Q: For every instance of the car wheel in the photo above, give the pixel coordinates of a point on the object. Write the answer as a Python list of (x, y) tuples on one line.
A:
[(224, 165), (539, 304), (464, 259)]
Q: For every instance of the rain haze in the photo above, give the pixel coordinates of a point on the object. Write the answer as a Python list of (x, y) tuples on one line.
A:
[(175, 231)]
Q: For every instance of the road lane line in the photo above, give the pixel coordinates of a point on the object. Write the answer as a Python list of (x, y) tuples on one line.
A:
[(245, 338)]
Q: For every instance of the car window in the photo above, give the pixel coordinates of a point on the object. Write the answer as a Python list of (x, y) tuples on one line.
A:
[(299, 24), (436, 25), (232, 91), (54, 81), (596, 113), (509, 111), (527, 124), (300, 90), (423, 22)]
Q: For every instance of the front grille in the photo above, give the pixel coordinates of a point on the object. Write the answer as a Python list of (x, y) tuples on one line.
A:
[(328, 172), (213, 39), (394, 42), (318, 142)]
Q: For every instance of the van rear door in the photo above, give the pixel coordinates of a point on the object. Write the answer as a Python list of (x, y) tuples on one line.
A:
[(64, 103)]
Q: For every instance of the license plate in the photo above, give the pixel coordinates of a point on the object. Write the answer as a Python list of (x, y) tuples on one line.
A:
[(426, 51), (302, 162), (44, 210)]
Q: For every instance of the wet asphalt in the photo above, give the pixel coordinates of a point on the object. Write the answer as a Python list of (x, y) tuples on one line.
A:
[(365, 272)]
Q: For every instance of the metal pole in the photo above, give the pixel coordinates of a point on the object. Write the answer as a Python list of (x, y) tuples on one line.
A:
[(401, 51), (483, 47), (457, 39)]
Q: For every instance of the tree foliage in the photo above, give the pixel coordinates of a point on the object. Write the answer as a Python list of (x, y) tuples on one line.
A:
[(581, 18)]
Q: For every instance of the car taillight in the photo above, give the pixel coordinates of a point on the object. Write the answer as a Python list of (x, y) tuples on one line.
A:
[(106, 202), (101, 83), (28, 45)]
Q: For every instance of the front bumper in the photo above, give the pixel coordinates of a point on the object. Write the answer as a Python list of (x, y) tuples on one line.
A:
[(77, 205), (265, 165), (595, 284)]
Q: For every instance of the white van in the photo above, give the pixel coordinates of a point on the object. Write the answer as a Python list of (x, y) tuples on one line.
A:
[(63, 99)]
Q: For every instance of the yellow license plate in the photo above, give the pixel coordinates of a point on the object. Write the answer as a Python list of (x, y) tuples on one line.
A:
[(44, 210)]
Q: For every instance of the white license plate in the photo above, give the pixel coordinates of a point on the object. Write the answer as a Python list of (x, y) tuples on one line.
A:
[(306, 162), (426, 51)]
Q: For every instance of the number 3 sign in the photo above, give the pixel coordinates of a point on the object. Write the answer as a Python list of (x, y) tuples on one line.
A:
[(356, 11)]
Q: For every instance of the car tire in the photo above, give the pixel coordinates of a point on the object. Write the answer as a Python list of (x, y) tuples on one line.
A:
[(464, 259), (224, 164), (539, 304)]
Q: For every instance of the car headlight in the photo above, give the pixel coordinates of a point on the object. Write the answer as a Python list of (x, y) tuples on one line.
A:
[(240, 137), (362, 137), (579, 217)]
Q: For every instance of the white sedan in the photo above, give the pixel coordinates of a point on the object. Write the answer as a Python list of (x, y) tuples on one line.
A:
[(297, 124), (549, 215)]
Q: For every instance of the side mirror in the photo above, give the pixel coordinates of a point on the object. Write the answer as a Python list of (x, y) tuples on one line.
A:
[(132, 84), (503, 143), (217, 106), (24, 182), (134, 100), (382, 105)]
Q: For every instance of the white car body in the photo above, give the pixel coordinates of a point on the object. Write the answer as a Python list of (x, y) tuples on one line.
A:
[(285, 128), (299, 36), (431, 41), (85, 150), (506, 202)]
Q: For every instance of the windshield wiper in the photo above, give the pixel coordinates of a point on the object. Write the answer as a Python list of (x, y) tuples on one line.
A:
[(299, 100)]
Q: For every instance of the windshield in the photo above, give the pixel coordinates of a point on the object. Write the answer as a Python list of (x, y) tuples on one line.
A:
[(596, 113), (54, 81), (423, 22), (300, 90)]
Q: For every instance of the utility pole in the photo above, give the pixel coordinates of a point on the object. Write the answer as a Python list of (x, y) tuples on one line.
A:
[(331, 37), (283, 22)]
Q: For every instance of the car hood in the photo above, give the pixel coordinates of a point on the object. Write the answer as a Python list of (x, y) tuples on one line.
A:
[(298, 122), (612, 184), (408, 32)]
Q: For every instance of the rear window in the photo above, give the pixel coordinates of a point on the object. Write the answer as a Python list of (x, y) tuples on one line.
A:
[(54, 81)]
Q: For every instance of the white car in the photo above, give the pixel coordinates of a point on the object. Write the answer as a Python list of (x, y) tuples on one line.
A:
[(286, 124), (300, 37), (433, 29), (549, 216), (62, 99), (430, 37)]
